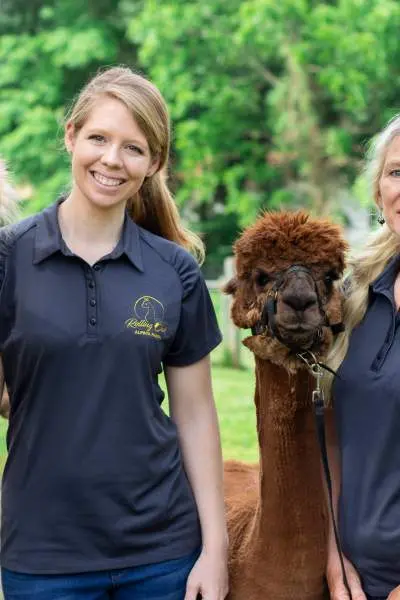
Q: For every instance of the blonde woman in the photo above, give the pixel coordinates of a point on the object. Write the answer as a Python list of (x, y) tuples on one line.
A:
[(105, 496), (365, 453)]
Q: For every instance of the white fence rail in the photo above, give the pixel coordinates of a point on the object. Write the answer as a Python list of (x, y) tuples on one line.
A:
[(231, 343)]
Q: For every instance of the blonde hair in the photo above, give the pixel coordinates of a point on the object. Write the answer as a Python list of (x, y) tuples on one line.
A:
[(366, 266), (153, 206)]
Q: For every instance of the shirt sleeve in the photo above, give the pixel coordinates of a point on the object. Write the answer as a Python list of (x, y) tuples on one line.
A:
[(6, 237), (198, 332)]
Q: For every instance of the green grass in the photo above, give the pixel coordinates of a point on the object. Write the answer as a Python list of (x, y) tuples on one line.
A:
[(233, 391)]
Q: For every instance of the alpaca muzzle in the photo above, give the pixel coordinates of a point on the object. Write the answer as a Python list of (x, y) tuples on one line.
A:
[(267, 323)]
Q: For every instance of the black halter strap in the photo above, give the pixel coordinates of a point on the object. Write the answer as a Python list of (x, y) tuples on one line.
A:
[(267, 320), (316, 369)]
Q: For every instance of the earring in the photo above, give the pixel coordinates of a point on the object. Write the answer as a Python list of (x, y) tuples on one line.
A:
[(381, 218)]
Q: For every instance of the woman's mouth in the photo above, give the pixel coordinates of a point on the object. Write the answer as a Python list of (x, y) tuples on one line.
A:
[(106, 180)]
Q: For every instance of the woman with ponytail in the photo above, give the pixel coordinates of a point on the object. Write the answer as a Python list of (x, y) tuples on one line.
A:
[(364, 425), (105, 496)]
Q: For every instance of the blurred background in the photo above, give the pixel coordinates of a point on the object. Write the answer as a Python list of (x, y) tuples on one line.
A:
[(273, 103)]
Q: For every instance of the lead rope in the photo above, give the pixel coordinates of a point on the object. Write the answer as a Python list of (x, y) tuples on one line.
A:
[(316, 369)]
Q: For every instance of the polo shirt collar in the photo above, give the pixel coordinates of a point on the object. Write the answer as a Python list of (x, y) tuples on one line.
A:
[(129, 244), (49, 240), (385, 281)]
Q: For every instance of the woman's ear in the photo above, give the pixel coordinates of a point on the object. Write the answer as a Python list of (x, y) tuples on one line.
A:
[(69, 136), (378, 198), (230, 287), (154, 166)]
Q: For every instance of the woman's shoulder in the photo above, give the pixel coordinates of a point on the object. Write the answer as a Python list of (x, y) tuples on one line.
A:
[(10, 234), (179, 259)]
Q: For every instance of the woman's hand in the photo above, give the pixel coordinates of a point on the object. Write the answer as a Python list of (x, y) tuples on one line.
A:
[(394, 594), (336, 586), (208, 577)]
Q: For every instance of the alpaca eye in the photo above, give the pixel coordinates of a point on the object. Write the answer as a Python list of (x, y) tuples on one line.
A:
[(330, 277), (262, 278)]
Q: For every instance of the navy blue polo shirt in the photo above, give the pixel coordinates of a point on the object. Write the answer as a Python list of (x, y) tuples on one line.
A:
[(367, 405), (94, 478)]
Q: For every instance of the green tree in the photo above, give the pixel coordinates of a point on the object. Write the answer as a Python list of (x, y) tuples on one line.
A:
[(272, 101), (51, 51)]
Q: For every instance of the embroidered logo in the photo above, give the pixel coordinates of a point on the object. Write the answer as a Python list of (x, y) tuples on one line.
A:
[(148, 318)]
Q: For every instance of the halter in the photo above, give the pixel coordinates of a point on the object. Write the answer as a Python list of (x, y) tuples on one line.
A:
[(316, 369), (267, 322)]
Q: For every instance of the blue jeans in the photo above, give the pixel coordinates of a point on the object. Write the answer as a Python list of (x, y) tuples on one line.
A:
[(159, 581)]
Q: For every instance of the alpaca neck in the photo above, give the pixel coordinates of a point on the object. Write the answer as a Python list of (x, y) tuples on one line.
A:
[(290, 515)]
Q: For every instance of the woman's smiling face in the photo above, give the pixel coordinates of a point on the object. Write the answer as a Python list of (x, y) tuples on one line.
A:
[(110, 155), (389, 187)]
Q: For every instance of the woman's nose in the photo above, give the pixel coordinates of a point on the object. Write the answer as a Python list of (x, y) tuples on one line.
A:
[(111, 156)]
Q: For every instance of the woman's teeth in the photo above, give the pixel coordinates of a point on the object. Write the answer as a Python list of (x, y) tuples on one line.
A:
[(107, 180)]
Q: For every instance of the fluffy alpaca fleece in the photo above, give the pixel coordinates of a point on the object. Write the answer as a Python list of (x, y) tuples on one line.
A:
[(276, 510)]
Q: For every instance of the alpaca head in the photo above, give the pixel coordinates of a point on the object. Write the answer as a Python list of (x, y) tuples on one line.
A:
[(284, 289)]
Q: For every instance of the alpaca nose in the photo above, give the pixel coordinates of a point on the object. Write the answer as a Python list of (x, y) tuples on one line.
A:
[(300, 302)]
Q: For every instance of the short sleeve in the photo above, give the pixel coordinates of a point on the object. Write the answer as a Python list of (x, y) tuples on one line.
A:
[(6, 237), (198, 332), (6, 241)]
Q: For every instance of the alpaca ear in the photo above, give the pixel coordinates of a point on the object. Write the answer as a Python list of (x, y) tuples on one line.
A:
[(230, 287)]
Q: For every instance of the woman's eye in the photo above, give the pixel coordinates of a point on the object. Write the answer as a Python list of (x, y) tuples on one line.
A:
[(262, 279), (134, 149), (96, 138), (395, 173)]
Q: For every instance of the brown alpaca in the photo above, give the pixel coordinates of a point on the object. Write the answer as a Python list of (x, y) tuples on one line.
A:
[(276, 512)]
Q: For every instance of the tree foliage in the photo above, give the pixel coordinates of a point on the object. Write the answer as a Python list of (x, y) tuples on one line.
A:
[(272, 102), (43, 63)]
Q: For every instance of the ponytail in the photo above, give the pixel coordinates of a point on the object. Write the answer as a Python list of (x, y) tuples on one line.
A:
[(154, 209)]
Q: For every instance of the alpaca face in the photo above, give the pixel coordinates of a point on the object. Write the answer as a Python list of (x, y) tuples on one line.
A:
[(286, 285), (293, 304)]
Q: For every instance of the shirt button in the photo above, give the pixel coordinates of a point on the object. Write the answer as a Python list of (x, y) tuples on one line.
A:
[(93, 302), (93, 321), (91, 284), (96, 267)]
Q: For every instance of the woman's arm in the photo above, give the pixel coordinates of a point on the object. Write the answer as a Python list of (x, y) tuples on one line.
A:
[(193, 410), (334, 572), (4, 400)]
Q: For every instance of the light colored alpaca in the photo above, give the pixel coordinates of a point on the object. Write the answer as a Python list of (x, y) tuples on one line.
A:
[(276, 512)]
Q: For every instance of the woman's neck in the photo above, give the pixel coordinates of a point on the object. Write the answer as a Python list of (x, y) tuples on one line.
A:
[(88, 231)]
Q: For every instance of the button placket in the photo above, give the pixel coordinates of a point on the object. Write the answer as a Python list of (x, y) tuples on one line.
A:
[(92, 299)]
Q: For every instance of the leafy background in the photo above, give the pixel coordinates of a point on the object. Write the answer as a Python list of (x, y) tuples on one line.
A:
[(272, 101)]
